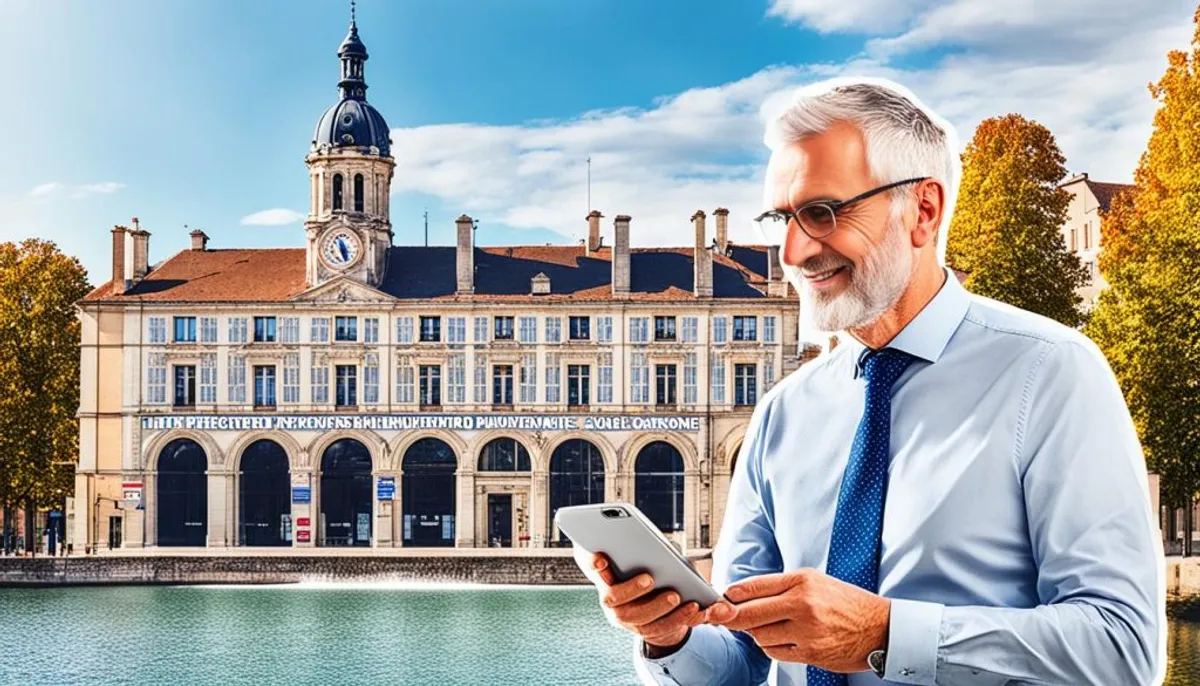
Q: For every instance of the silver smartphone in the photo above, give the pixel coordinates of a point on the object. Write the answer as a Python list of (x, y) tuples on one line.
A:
[(634, 545)]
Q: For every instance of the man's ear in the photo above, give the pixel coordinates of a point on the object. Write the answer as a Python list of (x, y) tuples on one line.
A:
[(930, 206)]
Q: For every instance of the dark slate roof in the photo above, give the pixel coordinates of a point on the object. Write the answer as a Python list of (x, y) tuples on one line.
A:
[(1105, 192), (428, 273)]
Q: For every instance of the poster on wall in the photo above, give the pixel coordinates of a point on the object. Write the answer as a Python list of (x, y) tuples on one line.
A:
[(387, 488)]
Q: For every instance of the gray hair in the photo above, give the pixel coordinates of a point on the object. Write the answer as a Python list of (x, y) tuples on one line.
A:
[(903, 138)]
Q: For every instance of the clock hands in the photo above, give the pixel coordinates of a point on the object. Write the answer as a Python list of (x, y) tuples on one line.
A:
[(343, 248)]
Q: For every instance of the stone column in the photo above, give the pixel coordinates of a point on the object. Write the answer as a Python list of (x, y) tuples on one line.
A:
[(385, 513), (304, 511), (218, 530), (539, 509), (464, 517)]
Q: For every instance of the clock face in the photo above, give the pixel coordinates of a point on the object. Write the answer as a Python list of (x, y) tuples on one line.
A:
[(341, 249)]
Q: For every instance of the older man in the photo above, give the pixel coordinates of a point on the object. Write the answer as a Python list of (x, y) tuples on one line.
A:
[(954, 495)]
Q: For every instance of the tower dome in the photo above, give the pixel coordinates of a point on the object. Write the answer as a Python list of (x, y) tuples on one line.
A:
[(352, 122)]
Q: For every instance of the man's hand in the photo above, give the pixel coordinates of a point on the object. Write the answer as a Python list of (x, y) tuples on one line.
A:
[(635, 606), (810, 617)]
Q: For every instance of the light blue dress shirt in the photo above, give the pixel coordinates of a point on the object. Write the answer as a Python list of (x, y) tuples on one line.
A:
[(1018, 542)]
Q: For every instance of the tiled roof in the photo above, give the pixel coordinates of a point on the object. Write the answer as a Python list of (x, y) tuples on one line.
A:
[(1105, 192), (428, 273)]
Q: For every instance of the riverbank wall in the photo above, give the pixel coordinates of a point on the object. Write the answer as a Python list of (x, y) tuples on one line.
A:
[(195, 569)]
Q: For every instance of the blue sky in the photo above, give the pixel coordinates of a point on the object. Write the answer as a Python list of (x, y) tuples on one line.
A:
[(200, 112)]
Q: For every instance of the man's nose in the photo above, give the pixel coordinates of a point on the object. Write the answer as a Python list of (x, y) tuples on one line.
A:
[(799, 246)]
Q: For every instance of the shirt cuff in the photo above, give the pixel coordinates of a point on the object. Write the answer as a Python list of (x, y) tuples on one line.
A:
[(691, 664), (914, 634)]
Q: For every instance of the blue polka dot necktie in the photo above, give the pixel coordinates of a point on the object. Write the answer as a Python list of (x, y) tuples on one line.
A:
[(858, 523)]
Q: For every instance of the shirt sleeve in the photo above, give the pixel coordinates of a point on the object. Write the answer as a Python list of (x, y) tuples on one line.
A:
[(1101, 617), (714, 654)]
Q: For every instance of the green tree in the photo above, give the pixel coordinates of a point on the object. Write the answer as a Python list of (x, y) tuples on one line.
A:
[(1148, 321), (39, 372), (1006, 228)]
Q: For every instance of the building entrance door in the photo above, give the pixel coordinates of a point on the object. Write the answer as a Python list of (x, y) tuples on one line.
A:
[(499, 520)]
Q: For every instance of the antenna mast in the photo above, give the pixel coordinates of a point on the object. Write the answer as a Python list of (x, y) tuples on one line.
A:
[(426, 228), (589, 183)]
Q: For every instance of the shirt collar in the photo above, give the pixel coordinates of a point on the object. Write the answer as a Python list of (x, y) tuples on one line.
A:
[(927, 335)]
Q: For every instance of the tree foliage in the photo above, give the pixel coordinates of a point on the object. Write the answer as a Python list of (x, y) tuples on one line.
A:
[(1148, 321), (39, 371), (1006, 228)]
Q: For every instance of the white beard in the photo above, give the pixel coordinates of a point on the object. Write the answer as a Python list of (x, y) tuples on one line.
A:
[(873, 288)]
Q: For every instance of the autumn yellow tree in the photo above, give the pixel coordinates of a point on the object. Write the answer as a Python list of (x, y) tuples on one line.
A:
[(39, 373), (1148, 321), (1006, 228)]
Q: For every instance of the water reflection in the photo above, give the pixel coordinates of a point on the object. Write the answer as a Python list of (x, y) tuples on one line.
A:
[(1183, 654)]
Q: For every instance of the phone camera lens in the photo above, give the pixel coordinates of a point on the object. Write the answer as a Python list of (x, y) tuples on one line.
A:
[(612, 513)]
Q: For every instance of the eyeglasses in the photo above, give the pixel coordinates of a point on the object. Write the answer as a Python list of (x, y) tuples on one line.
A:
[(817, 219)]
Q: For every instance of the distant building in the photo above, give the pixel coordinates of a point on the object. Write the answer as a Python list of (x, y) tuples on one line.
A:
[(355, 392), (1081, 232)]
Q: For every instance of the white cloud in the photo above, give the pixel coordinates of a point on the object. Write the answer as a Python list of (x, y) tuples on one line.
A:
[(45, 189), (702, 148), (90, 189), (273, 217), (859, 16)]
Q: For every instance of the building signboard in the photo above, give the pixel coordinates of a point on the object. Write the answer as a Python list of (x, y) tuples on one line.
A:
[(419, 422)]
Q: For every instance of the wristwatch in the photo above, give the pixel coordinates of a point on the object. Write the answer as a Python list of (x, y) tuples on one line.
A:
[(877, 662)]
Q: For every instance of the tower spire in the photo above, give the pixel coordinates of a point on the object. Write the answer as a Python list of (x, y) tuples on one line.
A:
[(353, 54)]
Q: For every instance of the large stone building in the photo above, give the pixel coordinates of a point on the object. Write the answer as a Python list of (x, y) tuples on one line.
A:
[(1081, 231), (358, 391)]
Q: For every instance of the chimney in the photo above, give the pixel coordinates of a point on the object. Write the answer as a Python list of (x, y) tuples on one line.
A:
[(141, 251), (199, 240), (702, 260), (620, 256), (593, 240), (120, 281), (465, 253), (777, 287), (722, 216)]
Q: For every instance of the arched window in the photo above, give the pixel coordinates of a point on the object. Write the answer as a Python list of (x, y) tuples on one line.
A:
[(429, 493), (576, 478), (504, 455), (346, 494), (264, 496), (658, 485), (337, 191), (182, 494), (358, 192)]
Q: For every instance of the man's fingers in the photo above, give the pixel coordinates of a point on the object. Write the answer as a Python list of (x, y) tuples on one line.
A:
[(771, 635), (645, 610), (765, 585), (673, 621), (760, 612), (622, 592)]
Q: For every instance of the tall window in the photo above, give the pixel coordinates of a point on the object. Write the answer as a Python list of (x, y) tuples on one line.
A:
[(720, 330), (208, 378), (291, 378), (502, 384), (690, 328), (639, 330), (690, 392), (320, 330), (481, 378), (481, 329), (768, 329), (264, 386), (238, 331), (264, 329), (358, 192), (581, 328), (431, 329), (158, 330), (578, 384), (456, 381), (716, 376), (456, 330), (185, 385), (337, 191), (208, 329), (745, 328), (404, 380), (347, 385), (320, 378), (289, 330), (431, 384), (404, 330), (1074, 243), (664, 384), (371, 330), (744, 379), (604, 384), (528, 332), (529, 378), (503, 329), (639, 378), (604, 329), (345, 329), (237, 378), (185, 329), (156, 376), (664, 328), (553, 379), (554, 329)]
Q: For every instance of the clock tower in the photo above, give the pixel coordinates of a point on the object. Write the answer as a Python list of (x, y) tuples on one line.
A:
[(350, 170)]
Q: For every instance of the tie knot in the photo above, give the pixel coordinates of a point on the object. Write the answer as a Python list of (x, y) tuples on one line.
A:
[(883, 367)]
